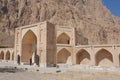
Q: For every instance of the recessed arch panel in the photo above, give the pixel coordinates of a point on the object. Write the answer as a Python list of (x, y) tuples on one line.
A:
[(8, 55), (63, 39), (83, 57), (2, 55), (64, 57), (104, 58)]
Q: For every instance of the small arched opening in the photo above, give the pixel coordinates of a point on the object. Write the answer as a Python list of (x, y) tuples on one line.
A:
[(2, 55), (8, 55), (63, 39)]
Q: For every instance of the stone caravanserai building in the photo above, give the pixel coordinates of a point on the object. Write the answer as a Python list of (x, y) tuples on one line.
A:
[(44, 44)]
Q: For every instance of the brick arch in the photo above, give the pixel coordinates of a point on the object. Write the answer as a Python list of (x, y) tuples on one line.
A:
[(8, 55), (104, 58), (64, 57), (83, 57), (63, 38), (2, 55)]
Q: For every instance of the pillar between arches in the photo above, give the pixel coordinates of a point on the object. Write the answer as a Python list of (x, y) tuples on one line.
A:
[(5, 55), (92, 56), (115, 54)]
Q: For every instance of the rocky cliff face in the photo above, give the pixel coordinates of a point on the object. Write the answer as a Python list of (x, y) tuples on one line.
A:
[(93, 21)]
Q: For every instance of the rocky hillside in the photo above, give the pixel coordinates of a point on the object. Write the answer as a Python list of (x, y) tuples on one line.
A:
[(94, 23)]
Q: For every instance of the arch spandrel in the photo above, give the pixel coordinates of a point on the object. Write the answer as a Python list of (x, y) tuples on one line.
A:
[(3, 50), (59, 33), (102, 48), (67, 48), (85, 49)]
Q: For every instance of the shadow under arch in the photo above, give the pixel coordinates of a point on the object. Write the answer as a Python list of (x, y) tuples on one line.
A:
[(2, 55), (104, 58), (8, 55), (83, 57), (29, 47), (64, 57), (63, 38)]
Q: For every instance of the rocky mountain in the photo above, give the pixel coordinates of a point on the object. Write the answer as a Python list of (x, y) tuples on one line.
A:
[(94, 23)]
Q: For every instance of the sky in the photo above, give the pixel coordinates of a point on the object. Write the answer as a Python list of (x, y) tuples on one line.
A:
[(113, 6)]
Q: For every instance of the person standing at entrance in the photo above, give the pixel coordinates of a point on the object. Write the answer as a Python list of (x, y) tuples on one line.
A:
[(30, 61)]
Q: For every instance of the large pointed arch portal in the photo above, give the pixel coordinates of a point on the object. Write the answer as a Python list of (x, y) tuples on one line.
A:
[(29, 49)]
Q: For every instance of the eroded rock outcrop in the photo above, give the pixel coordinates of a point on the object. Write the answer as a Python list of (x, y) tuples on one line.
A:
[(93, 21)]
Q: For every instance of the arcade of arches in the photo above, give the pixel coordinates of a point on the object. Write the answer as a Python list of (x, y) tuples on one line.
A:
[(44, 44), (6, 55)]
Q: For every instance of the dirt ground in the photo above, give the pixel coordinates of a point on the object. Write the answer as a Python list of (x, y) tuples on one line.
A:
[(8, 71), (71, 75)]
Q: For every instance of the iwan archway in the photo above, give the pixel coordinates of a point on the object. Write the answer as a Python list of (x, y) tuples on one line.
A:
[(83, 57), (64, 57), (29, 43), (104, 58)]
